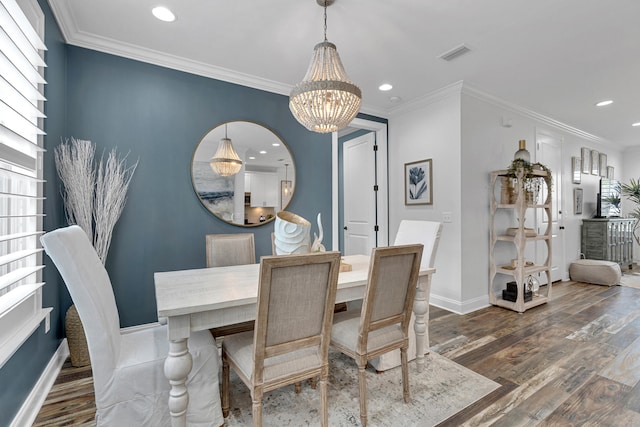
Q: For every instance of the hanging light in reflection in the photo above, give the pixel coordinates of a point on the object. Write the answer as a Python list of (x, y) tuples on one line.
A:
[(226, 161)]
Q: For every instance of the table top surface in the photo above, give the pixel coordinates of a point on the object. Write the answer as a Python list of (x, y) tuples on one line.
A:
[(205, 289)]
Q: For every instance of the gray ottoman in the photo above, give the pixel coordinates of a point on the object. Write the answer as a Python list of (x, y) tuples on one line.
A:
[(595, 271)]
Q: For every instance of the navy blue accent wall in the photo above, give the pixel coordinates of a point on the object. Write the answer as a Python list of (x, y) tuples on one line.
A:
[(22, 371), (159, 115)]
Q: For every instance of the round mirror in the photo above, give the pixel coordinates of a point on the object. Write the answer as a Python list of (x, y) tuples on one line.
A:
[(265, 177)]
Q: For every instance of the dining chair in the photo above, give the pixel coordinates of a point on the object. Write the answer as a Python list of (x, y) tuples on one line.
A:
[(128, 368), (290, 343), (223, 250), (382, 324), (427, 233)]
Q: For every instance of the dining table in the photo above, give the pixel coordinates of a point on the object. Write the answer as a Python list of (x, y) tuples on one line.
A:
[(199, 299)]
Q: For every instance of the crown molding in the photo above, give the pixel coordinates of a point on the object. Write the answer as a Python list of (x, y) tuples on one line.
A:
[(429, 98), (469, 89)]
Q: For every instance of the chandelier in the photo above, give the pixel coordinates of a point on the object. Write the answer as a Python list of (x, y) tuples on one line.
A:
[(226, 161), (326, 100)]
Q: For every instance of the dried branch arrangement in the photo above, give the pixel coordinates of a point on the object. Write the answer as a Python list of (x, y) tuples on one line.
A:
[(93, 198)]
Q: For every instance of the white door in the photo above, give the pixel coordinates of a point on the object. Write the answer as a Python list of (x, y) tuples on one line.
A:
[(358, 171), (549, 153)]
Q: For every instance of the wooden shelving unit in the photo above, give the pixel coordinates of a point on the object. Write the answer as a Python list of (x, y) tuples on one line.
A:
[(519, 241)]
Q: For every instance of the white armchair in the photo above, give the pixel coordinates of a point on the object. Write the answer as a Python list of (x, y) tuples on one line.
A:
[(128, 369), (410, 232)]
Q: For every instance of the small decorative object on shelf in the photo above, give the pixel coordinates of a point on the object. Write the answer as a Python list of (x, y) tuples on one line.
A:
[(533, 285), (522, 153)]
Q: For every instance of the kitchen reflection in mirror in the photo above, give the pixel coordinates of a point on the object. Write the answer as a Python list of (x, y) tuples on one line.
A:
[(263, 186)]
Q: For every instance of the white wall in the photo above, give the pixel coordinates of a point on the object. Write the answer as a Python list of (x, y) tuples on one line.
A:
[(462, 130), (431, 131)]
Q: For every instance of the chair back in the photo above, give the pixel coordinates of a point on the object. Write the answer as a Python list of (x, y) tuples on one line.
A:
[(88, 283), (391, 288), (230, 249), (425, 232), (296, 298)]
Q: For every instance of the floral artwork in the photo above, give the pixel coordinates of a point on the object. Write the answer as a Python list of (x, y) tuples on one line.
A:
[(418, 183)]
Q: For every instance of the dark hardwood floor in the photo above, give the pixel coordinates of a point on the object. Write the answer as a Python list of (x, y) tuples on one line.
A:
[(574, 361)]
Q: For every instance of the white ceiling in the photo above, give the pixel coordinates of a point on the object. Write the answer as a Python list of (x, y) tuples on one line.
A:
[(554, 57)]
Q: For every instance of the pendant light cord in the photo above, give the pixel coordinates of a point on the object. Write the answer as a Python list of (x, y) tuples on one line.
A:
[(225, 131), (325, 20)]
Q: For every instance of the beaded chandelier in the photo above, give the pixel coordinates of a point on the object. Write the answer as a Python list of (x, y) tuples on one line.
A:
[(226, 161)]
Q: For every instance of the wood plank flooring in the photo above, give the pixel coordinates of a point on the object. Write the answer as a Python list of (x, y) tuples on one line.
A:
[(574, 361)]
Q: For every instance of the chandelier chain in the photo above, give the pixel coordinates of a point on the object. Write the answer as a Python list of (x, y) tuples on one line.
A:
[(325, 20)]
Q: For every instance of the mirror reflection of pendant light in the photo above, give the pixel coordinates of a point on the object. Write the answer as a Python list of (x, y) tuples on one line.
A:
[(287, 184), (226, 161), (326, 100)]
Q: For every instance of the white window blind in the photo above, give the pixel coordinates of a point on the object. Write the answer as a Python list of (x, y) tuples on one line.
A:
[(21, 208)]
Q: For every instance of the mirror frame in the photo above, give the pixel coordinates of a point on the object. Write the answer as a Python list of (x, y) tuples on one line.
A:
[(202, 170)]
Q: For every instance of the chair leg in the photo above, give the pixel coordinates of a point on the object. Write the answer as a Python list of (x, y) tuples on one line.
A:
[(362, 386), (324, 402), (297, 387), (406, 393), (225, 386), (313, 382)]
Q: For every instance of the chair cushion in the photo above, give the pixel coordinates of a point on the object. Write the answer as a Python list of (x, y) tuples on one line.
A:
[(595, 271), (345, 332), (239, 349)]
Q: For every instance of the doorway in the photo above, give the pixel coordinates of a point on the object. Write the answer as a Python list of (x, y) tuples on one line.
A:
[(380, 130)]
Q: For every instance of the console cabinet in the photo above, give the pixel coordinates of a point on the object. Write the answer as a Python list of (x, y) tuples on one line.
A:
[(609, 239), (516, 237)]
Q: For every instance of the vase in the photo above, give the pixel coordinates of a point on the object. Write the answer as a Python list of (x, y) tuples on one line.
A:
[(522, 153), (76, 339), (292, 234)]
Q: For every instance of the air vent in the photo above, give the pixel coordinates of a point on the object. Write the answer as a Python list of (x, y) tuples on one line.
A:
[(454, 53)]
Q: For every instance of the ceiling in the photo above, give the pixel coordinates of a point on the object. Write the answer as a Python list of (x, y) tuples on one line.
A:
[(556, 58)]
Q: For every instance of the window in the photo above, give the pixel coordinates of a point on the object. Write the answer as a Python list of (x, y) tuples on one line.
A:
[(21, 119)]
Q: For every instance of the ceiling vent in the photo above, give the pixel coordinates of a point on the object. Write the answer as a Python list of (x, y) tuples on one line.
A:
[(454, 53)]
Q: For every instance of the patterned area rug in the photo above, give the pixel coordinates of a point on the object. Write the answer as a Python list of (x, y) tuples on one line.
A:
[(631, 279), (440, 391)]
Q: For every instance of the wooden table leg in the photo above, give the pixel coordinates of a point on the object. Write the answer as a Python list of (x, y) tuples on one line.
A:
[(176, 368), (421, 312)]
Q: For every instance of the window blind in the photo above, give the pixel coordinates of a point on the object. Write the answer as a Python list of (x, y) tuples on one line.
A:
[(21, 185)]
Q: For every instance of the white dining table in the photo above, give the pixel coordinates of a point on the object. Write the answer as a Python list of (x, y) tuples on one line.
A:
[(200, 299)]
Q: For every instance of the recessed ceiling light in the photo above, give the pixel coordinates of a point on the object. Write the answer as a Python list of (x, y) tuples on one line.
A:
[(636, 124), (263, 152), (252, 158), (163, 14), (395, 99), (275, 144), (385, 87), (604, 103)]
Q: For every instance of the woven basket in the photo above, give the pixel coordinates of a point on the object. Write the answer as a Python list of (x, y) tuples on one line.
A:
[(78, 350)]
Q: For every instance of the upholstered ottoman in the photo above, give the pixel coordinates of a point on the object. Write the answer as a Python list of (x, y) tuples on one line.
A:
[(595, 271)]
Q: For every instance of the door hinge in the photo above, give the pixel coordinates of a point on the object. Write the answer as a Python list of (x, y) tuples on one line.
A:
[(375, 187), (375, 228), (375, 148)]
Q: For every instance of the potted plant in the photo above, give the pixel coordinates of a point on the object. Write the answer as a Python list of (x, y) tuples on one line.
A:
[(632, 192), (94, 195), (531, 181)]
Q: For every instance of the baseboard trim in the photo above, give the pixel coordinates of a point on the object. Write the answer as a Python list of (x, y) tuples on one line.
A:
[(459, 307), (31, 406)]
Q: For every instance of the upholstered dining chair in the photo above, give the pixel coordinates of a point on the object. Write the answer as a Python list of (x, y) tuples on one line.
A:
[(230, 249), (427, 233), (290, 343), (382, 324), (128, 368), (224, 250)]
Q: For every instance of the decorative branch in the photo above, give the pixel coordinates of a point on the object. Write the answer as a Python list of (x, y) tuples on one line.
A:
[(93, 199), (74, 163)]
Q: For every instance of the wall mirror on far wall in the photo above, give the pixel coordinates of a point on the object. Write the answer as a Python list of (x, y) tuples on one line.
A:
[(264, 183)]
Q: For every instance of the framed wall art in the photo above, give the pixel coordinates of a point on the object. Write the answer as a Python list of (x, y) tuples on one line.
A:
[(586, 160), (603, 165), (610, 172), (595, 162), (418, 183), (576, 169), (577, 201)]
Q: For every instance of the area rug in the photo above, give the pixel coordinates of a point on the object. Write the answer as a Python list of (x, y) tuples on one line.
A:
[(440, 391), (631, 279)]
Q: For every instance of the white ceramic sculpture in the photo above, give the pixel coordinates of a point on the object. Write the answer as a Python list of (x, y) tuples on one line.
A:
[(292, 234), (317, 245)]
